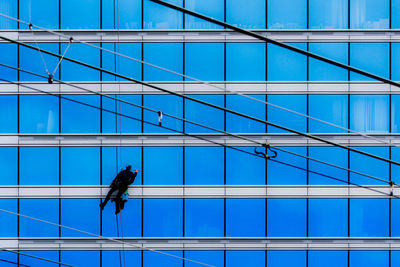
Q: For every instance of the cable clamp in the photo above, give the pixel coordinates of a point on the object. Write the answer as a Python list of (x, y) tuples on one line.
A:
[(160, 117), (50, 79), (391, 183), (71, 39), (30, 26), (267, 147)]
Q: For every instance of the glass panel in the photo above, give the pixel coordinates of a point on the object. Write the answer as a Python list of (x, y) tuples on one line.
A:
[(8, 105), (395, 16), (241, 258), (45, 209), (81, 258), (127, 12), (39, 166), (327, 258), (214, 258), (330, 221), (204, 61), (330, 108), (369, 14), (9, 57), (212, 8), (286, 259), (196, 224), (82, 117), (395, 114), (245, 217), (82, 214), (9, 8), (246, 14), (203, 114), (210, 159), (157, 16), (328, 14), (245, 61), (162, 217), (369, 258), (29, 261), (163, 165), (43, 13), (369, 217), (369, 113), (80, 165), (9, 259), (370, 57), (292, 16), (286, 217), (132, 258), (77, 14), (395, 169), (395, 217), (321, 71), (9, 165), (39, 114), (151, 259), (8, 222)]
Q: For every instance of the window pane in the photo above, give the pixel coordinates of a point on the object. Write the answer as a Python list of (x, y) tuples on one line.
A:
[(395, 16), (8, 222), (82, 214), (162, 217), (204, 61), (286, 217), (9, 165), (8, 105), (197, 225), (81, 258), (369, 258), (369, 113), (8, 57), (395, 217), (39, 114), (321, 71), (29, 261), (9, 8), (241, 258), (45, 209), (369, 14), (129, 11), (370, 57), (246, 14), (77, 14), (211, 8), (80, 165), (369, 217), (245, 217), (251, 173), (151, 259), (330, 221), (215, 258), (328, 14), (39, 166), (163, 165), (292, 16), (395, 123), (157, 16), (43, 13), (327, 258), (286, 258), (132, 258), (330, 108), (395, 169), (286, 65), (245, 61), (199, 160), (9, 259), (82, 117)]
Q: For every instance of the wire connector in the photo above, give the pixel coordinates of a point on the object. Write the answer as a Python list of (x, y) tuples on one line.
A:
[(50, 80), (264, 154), (391, 183), (30, 26), (160, 117)]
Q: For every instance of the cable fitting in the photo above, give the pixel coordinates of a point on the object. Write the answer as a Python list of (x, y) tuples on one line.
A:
[(267, 147), (50, 80), (160, 117)]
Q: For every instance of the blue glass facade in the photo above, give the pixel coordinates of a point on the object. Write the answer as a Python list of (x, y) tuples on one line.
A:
[(169, 165)]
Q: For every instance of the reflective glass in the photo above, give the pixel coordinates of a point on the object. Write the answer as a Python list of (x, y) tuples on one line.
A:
[(215, 258), (292, 16), (369, 14), (286, 258), (166, 55), (321, 71), (82, 214), (9, 8), (39, 114), (369, 258), (151, 259), (246, 14), (8, 105), (369, 113), (39, 166), (330, 221), (329, 108), (204, 165), (77, 14), (9, 165), (395, 16), (245, 61), (286, 217), (29, 261), (80, 165), (369, 217), (395, 217), (204, 61), (370, 57), (80, 114), (239, 258), (297, 103), (395, 169), (45, 209), (162, 217), (245, 217), (132, 258), (157, 16), (249, 107), (8, 57), (8, 222), (43, 13), (81, 258), (196, 224), (395, 258), (251, 173), (168, 170), (126, 13), (9, 259), (328, 14), (286, 65), (394, 113), (211, 8), (327, 258)]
